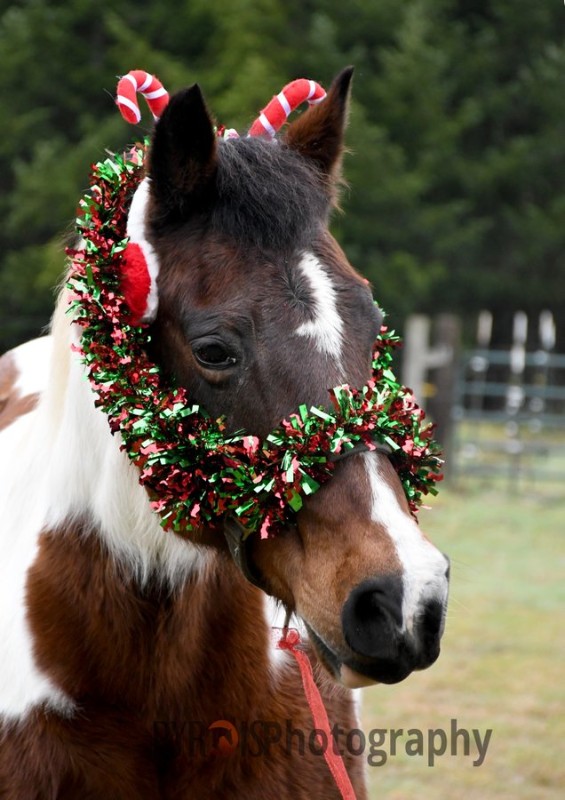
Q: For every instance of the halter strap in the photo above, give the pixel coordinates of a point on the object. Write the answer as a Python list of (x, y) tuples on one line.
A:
[(379, 447), (234, 534)]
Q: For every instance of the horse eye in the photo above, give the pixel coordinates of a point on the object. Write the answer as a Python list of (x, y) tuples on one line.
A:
[(213, 355)]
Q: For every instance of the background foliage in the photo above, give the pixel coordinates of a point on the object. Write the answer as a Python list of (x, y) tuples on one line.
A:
[(457, 134)]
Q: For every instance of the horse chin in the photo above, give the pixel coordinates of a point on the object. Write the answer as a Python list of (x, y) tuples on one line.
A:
[(354, 680)]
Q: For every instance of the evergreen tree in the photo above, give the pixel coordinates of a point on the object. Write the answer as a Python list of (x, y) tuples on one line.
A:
[(454, 199)]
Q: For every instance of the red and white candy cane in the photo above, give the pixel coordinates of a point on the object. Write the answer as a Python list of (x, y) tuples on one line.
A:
[(149, 86), (274, 115)]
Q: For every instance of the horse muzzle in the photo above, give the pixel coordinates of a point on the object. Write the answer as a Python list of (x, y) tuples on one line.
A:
[(378, 646)]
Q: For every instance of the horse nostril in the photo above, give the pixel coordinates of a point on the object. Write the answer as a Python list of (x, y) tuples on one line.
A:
[(372, 616), (430, 629), (448, 568)]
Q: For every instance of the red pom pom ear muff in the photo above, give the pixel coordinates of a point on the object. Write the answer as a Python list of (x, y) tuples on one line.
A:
[(140, 267), (136, 281)]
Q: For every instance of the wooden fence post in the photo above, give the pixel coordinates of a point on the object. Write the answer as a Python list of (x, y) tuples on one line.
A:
[(441, 358), (448, 339)]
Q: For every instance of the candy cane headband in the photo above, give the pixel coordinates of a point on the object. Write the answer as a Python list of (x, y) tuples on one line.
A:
[(269, 121), (140, 264)]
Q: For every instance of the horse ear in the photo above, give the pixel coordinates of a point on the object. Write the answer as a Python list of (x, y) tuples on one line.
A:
[(182, 158), (318, 133)]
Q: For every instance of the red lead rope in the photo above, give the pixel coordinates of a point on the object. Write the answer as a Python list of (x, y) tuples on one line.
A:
[(289, 641)]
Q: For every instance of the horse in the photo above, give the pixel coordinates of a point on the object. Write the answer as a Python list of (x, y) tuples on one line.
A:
[(140, 663)]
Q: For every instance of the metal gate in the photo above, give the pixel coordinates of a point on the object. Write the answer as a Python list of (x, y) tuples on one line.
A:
[(500, 410)]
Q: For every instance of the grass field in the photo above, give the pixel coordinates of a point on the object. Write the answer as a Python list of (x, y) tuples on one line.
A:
[(502, 665)]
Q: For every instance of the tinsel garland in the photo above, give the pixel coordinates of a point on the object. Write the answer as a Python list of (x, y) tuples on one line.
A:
[(194, 470)]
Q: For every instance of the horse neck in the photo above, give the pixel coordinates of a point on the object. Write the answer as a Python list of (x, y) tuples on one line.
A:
[(147, 648), (91, 479)]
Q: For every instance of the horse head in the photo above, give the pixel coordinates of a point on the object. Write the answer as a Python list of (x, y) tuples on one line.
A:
[(259, 312)]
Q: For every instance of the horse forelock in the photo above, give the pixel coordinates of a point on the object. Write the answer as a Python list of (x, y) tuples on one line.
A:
[(262, 194), (268, 195)]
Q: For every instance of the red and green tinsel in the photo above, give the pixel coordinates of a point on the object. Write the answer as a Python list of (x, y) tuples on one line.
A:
[(195, 471)]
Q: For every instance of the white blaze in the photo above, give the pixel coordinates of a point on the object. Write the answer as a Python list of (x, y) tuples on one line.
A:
[(326, 328), (424, 567)]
